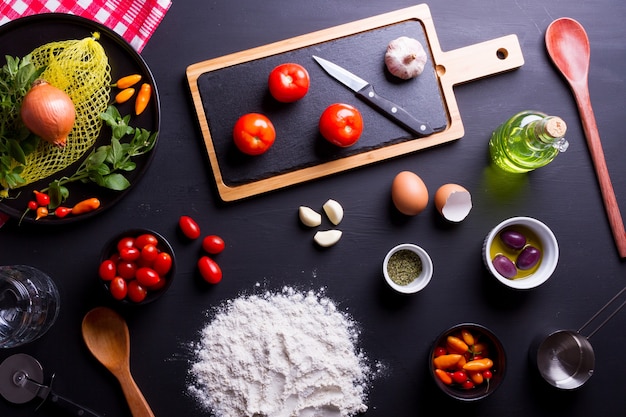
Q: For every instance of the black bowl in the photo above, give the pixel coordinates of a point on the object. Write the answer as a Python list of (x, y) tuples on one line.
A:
[(110, 250), (494, 351)]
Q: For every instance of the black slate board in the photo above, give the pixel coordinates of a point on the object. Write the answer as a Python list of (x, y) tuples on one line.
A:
[(232, 91)]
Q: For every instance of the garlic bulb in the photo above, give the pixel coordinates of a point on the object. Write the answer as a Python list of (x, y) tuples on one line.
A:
[(405, 57)]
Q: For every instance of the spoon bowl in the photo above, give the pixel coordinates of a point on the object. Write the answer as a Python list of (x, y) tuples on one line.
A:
[(107, 337), (568, 46)]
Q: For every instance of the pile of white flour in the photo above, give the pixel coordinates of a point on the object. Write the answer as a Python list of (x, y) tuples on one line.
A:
[(288, 354)]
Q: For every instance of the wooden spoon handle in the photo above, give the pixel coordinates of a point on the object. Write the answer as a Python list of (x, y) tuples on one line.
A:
[(581, 92), (136, 402)]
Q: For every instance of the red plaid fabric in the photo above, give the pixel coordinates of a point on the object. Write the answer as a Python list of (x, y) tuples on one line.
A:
[(134, 20)]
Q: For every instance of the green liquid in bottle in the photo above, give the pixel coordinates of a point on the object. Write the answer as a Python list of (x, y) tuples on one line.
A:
[(527, 141)]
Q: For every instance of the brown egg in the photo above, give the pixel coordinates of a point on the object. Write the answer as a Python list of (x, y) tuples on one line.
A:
[(453, 202), (409, 193)]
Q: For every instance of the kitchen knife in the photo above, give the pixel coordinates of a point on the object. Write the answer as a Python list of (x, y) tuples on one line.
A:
[(365, 91)]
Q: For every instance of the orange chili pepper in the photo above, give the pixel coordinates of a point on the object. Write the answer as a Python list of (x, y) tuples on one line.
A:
[(143, 97), (124, 95), (41, 212), (467, 337), (456, 345), (461, 363), (476, 377), (86, 206), (478, 365), (443, 376), (480, 349), (127, 81), (447, 361)]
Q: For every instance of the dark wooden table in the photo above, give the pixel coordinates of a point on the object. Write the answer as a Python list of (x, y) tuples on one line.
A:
[(266, 243)]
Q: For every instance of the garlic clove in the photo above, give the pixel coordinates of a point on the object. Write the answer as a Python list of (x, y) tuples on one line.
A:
[(405, 57), (309, 217), (334, 211), (327, 238)]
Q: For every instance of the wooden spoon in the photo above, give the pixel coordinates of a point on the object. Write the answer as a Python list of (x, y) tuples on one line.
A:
[(568, 47), (106, 335)]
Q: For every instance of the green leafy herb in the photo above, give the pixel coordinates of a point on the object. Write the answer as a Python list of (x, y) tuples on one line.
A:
[(106, 164), (16, 142)]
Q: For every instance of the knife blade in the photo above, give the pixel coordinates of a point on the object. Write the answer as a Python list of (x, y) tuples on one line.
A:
[(365, 91)]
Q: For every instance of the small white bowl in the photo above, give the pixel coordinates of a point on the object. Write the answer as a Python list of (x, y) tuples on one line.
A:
[(421, 280), (549, 259)]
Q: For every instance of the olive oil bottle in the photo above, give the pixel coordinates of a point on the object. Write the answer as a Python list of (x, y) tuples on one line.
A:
[(527, 141)]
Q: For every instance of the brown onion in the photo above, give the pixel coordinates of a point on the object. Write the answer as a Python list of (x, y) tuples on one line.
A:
[(48, 112)]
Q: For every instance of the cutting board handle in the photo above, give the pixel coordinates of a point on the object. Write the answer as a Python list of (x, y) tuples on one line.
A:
[(480, 60)]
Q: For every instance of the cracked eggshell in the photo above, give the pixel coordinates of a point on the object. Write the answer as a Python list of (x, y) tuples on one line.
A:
[(453, 202), (409, 193)]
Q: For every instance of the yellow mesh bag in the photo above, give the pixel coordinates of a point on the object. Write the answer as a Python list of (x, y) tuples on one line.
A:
[(81, 69)]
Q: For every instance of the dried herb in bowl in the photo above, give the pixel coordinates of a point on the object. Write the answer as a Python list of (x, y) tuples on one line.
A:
[(404, 267)]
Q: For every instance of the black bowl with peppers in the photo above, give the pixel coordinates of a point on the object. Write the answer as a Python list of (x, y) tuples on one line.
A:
[(467, 362), (137, 266)]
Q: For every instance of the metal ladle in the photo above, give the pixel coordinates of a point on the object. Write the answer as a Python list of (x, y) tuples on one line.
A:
[(565, 358), (568, 46)]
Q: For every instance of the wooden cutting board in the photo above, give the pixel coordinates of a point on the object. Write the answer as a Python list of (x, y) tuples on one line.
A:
[(227, 87)]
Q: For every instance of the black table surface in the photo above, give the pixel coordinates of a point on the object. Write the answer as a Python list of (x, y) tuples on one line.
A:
[(266, 244)]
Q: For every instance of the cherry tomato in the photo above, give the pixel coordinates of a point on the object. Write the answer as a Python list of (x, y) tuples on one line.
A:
[(32, 205), (136, 292), (459, 377), (148, 254), (254, 134), (158, 285), (439, 351), (162, 264), (213, 244), (487, 374), (341, 124), (189, 227), (145, 239), (468, 384), (107, 270), (210, 270), (288, 82), (126, 269), (147, 276), (125, 242), (129, 254), (118, 288)]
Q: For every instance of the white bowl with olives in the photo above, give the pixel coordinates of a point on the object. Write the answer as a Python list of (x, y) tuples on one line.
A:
[(407, 268), (521, 252)]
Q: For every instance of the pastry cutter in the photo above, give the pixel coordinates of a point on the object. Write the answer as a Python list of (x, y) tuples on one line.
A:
[(21, 380)]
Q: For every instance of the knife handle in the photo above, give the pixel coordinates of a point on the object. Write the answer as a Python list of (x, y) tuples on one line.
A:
[(394, 112)]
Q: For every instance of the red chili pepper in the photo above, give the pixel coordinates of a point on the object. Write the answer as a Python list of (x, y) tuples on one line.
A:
[(86, 206), (143, 97), (61, 211), (42, 199)]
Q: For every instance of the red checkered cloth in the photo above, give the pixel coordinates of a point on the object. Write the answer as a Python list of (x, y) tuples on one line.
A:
[(134, 20)]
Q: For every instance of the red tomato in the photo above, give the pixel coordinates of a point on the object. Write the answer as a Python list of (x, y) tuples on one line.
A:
[(136, 292), (158, 285), (126, 269), (162, 264), (254, 133), (341, 124), (210, 270), (213, 244), (107, 270), (147, 276), (149, 253), (129, 254), (125, 242), (288, 82), (118, 288), (487, 374), (189, 227), (459, 377), (440, 351), (145, 239)]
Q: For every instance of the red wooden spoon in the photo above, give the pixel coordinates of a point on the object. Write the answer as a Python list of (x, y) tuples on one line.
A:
[(568, 47)]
